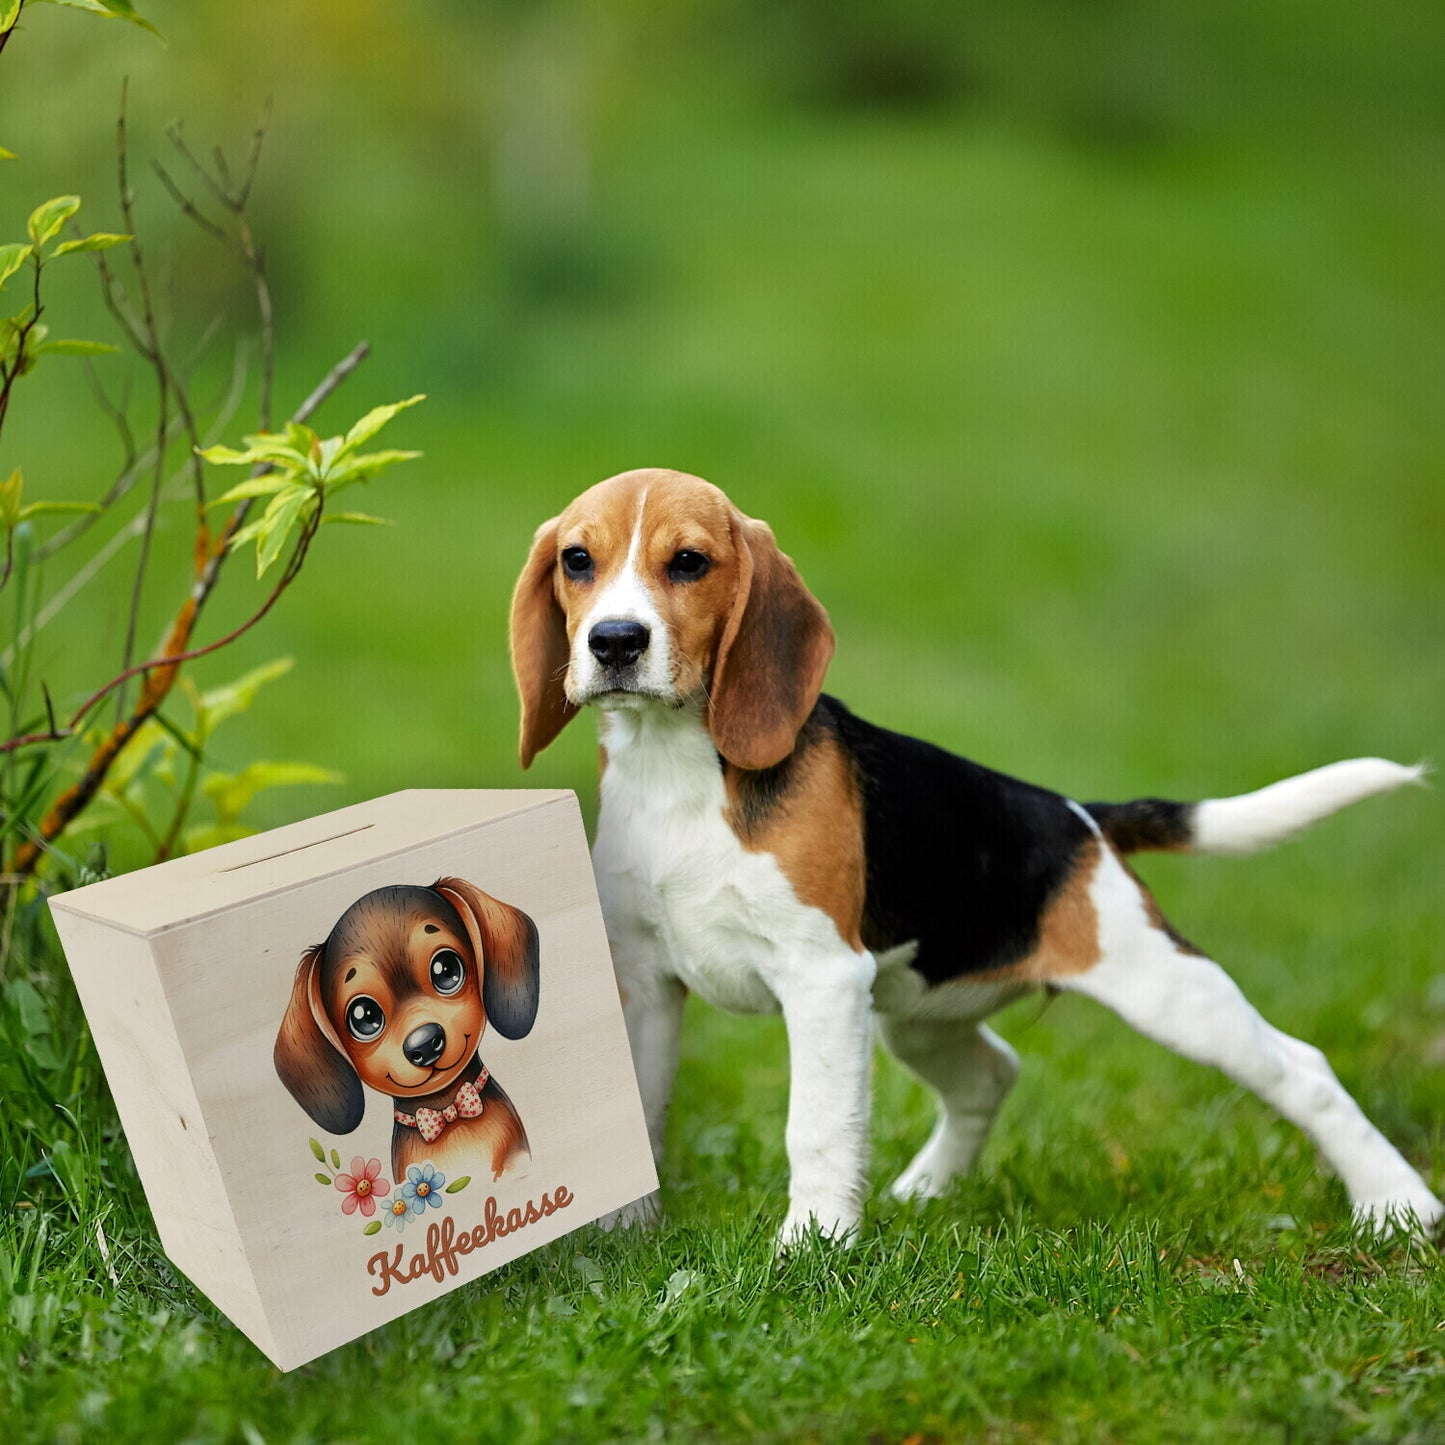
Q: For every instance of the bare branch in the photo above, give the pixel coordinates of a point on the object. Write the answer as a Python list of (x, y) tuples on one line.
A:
[(160, 672), (254, 160), (176, 135), (188, 207), (225, 409)]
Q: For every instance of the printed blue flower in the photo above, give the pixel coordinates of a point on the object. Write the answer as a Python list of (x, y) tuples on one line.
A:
[(396, 1211), (424, 1183)]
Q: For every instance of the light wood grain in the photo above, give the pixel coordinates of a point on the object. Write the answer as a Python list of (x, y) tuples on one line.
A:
[(185, 972)]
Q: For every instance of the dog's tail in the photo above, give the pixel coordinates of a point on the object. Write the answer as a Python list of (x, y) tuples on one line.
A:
[(1252, 821)]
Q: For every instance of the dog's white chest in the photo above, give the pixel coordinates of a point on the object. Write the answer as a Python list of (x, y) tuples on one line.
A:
[(680, 893)]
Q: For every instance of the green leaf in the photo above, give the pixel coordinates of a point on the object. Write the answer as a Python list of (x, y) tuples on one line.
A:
[(232, 698), (248, 533), (29, 1006), (261, 449), (373, 422), (36, 509), (317, 1150), (281, 516), (299, 440), (230, 793), (322, 1178), (10, 14), (100, 241), (12, 258), (75, 348), (363, 468), (10, 490), (360, 519), (212, 835), (457, 1185), (335, 1159), (137, 754), (46, 220), (111, 9), (6, 155), (254, 487), (372, 1227)]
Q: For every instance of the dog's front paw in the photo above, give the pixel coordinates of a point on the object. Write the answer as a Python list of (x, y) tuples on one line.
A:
[(1416, 1212), (801, 1225), (644, 1213)]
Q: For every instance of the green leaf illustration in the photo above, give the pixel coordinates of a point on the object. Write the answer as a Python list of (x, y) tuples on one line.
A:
[(317, 1150), (322, 1178), (457, 1185), (335, 1160), (372, 1227)]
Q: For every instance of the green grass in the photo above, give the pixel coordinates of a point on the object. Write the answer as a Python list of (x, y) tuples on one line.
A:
[(1102, 408), (1146, 1256)]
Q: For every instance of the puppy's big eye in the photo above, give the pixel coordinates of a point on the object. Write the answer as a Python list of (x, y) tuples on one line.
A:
[(364, 1018), (688, 566), (447, 971), (577, 563)]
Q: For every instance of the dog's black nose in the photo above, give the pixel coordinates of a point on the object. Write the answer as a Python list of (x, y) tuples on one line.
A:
[(423, 1045), (616, 644)]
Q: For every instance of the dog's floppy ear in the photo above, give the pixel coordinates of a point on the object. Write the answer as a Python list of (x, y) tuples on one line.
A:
[(504, 941), (310, 1058), (774, 652), (539, 647)]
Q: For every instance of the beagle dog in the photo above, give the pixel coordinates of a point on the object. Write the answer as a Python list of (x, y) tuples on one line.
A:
[(760, 845), (397, 998)]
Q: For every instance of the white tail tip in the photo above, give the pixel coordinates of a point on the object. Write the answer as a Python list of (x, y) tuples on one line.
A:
[(1261, 819)]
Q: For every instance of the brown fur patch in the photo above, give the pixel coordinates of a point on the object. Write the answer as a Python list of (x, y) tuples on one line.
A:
[(807, 812), (1068, 930), (496, 1137)]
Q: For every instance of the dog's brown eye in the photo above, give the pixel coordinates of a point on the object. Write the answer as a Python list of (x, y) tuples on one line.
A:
[(688, 566), (447, 971), (364, 1018), (577, 562)]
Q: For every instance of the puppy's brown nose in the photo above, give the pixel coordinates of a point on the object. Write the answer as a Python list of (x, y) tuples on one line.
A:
[(423, 1046), (618, 643)]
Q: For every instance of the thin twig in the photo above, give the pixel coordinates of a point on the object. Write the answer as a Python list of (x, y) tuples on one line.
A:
[(253, 161), (227, 409), (9, 375), (176, 135), (161, 672), (117, 413), (188, 207), (151, 351)]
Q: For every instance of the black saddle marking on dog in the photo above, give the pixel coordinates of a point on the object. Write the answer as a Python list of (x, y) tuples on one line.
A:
[(961, 860)]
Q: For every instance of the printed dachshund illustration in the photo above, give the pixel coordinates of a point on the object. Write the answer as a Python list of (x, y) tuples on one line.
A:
[(398, 998)]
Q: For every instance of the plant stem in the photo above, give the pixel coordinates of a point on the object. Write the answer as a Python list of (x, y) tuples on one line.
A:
[(161, 671)]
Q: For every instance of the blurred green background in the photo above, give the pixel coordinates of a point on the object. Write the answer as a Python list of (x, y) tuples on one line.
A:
[(1088, 357)]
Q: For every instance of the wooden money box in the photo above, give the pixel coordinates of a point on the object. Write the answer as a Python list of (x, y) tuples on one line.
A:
[(366, 1058)]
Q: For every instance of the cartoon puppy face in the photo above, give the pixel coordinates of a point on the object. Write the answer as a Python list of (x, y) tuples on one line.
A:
[(398, 996), (653, 588)]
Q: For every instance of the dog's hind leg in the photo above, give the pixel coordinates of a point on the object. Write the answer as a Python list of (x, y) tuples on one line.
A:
[(971, 1070), (1188, 1003)]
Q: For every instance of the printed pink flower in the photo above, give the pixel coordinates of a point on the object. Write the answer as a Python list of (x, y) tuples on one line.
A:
[(361, 1187)]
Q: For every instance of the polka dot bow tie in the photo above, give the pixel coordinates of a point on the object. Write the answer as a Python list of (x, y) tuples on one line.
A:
[(429, 1123)]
